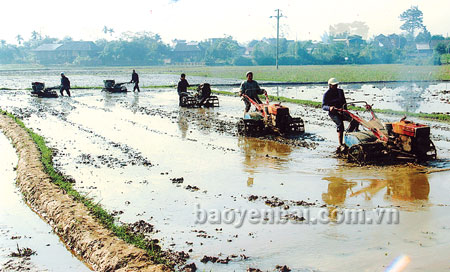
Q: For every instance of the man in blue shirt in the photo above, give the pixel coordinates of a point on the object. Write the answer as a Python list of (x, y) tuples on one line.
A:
[(334, 99)]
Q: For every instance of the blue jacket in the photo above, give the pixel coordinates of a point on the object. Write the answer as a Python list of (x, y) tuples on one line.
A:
[(335, 98)]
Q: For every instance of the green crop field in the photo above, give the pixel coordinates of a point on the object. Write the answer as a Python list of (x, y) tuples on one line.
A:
[(306, 73), (315, 73)]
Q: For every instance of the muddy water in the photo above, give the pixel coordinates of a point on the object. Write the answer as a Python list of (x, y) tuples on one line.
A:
[(409, 97), (20, 227), (123, 149)]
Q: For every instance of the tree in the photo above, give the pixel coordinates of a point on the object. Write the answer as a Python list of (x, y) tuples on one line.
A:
[(107, 30), (424, 36), (221, 50), (441, 48), (35, 35), (413, 19), (19, 39)]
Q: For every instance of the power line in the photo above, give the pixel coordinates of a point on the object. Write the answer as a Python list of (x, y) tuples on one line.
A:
[(278, 16)]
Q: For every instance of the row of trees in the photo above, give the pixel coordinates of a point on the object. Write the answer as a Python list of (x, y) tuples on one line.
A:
[(338, 46), (148, 49)]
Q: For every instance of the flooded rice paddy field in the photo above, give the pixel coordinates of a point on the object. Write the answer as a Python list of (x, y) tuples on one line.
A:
[(410, 97), (130, 151)]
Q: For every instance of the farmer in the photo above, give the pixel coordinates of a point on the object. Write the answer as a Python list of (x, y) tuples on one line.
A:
[(65, 85), (203, 92), (250, 88), (182, 87), (334, 99), (135, 80)]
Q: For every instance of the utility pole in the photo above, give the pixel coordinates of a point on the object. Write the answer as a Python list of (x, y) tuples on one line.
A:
[(278, 32)]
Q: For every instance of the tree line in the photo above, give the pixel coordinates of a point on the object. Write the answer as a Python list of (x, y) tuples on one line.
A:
[(146, 48)]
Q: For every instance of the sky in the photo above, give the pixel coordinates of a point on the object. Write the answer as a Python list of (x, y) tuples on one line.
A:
[(196, 20)]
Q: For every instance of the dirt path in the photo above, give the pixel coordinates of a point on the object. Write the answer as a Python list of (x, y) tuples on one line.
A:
[(95, 245)]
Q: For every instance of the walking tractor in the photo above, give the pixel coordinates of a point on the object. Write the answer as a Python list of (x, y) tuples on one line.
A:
[(269, 118), (39, 90), (113, 87), (398, 140), (203, 98)]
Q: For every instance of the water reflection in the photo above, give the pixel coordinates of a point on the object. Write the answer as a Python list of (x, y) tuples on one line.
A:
[(402, 185), (135, 103), (183, 124), (109, 100), (261, 154), (410, 97)]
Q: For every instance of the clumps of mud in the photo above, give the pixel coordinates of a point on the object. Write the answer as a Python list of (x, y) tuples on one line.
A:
[(214, 259), (104, 160), (283, 268), (176, 258), (294, 217), (189, 268), (140, 227), (18, 264), (177, 180), (22, 252), (192, 188), (274, 201), (203, 234), (278, 268)]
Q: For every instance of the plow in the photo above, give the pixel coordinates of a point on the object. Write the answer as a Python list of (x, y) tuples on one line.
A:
[(269, 118), (398, 140), (203, 98)]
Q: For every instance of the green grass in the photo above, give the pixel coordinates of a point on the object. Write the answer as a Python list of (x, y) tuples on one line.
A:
[(314, 73), (315, 104), (304, 73), (96, 209)]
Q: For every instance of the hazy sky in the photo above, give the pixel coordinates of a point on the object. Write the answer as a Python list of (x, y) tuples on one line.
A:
[(197, 20)]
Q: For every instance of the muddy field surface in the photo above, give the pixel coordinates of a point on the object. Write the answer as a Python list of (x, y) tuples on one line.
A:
[(149, 161), (27, 243)]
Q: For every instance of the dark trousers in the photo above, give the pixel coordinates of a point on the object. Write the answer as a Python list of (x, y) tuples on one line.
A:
[(339, 118), (64, 88), (181, 94), (136, 87)]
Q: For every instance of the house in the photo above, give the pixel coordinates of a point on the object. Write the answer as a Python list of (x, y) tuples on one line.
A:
[(65, 52), (354, 41), (424, 49), (350, 41), (186, 51)]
